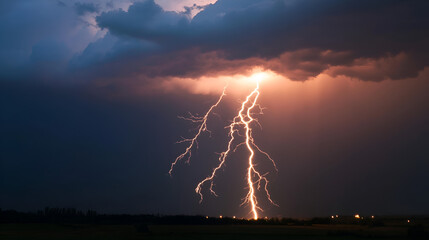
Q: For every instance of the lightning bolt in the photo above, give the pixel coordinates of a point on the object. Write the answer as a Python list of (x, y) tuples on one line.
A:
[(242, 121), (202, 128)]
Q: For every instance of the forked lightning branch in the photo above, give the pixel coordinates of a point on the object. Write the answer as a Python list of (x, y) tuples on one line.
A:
[(239, 129)]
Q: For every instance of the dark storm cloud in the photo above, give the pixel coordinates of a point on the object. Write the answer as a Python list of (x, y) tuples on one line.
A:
[(188, 10), (84, 8), (39, 36), (145, 20), (285, 32), (299, 39)]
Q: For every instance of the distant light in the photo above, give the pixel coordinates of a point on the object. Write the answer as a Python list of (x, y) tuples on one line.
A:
[(372, 217), (220, 216), (207, 217), (336, 215), (233, 217), (332, 216), (408, 220), (357, 216), (259, 76), (265, 217)]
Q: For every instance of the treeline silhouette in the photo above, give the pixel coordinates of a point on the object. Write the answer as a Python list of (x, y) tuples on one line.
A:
[(72, 215)]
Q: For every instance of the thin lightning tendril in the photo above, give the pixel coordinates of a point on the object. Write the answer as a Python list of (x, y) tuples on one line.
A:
[(242, 121), (202, 128)]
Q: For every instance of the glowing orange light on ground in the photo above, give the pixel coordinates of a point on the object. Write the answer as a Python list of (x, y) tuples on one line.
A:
[(242, 121)]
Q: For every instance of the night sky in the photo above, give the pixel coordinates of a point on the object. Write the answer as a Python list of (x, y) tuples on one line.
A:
[(91, 91)]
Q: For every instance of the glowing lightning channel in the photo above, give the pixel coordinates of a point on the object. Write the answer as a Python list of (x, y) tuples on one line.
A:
[(243, 119), (202, 128), (247, 119)]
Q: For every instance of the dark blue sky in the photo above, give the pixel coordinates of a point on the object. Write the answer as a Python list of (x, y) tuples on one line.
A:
[(88, 122)]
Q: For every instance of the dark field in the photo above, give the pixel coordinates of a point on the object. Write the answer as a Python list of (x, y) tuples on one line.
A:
[(125, 231), (69, 223)]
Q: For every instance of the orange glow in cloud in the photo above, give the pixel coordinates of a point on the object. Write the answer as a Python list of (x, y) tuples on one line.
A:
[(238, 83)]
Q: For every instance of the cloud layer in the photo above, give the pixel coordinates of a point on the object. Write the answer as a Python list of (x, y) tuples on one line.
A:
[(86, 42), (299, 39)]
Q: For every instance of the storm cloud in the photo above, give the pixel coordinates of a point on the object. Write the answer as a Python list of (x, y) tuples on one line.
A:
[(299, 39)]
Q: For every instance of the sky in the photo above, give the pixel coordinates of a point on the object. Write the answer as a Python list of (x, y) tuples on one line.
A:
[(91, 91)]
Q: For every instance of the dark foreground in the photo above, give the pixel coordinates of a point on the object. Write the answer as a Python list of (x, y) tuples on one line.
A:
[(94, 231), (62, 223)]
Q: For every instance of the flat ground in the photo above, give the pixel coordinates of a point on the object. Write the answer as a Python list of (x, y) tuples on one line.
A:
[(248, 232)]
